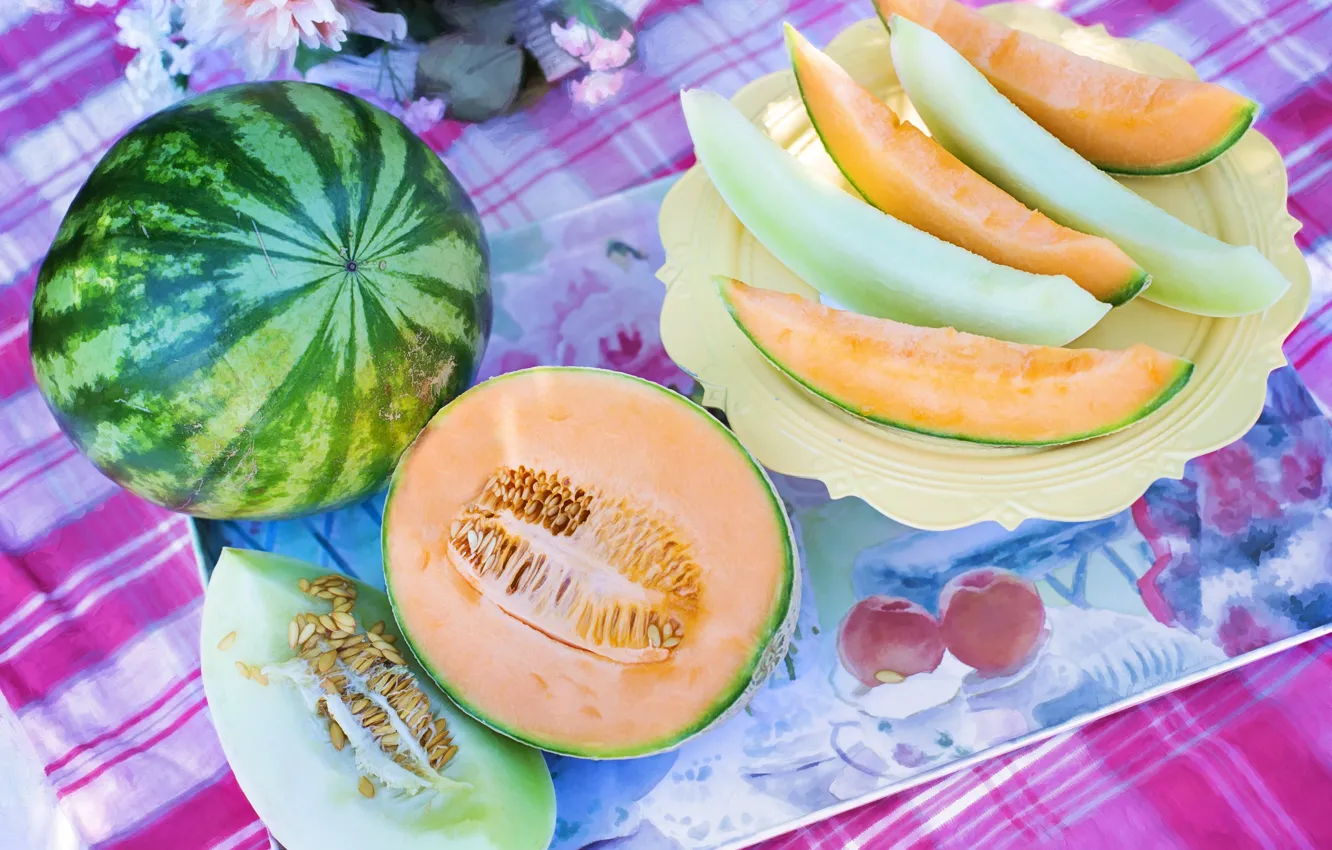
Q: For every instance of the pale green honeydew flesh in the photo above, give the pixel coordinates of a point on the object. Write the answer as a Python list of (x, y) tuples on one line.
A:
[(869, 261)]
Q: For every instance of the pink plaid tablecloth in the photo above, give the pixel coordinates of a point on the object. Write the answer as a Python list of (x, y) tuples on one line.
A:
[(99, 600)]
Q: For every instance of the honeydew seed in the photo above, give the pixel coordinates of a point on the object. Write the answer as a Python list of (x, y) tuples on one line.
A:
[(243, 669), (293, 634), (366, 787), (377, 628), (257, 675), (305, 585), (336, 735), (325, 662), (307, 632), (327, 622), (393, 656), (344, 621), (227, 640)]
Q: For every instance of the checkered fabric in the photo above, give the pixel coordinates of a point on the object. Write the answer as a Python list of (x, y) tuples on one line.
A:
[(100, 601)]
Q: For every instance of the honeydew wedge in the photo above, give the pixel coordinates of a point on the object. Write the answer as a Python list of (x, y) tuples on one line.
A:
[(941, 382), (1121, 120), (908, 175), (1190, 270), (866, 260)]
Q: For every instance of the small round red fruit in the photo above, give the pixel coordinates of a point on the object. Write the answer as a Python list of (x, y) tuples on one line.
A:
[(991, 619), (884, 639)]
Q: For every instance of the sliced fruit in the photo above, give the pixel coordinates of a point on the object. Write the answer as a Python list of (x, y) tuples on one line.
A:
[(589, 562), (1190, 270), (334, 732), (864, 259), (908, 175), (952, 384), (1120, 120)]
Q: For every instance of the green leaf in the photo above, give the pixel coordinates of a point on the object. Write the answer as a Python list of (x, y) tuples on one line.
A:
[(479, 80)]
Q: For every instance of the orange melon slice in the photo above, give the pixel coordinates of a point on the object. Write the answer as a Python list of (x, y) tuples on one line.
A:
[(1120, 120), (946, 383), (588, 562), (908, 175)]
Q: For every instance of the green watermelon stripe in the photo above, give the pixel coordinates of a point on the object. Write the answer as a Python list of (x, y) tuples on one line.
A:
[(284, 107), (371, 161), (197, 328), (319, 355)]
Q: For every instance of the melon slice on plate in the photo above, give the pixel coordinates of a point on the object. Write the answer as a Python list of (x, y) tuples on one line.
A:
[(1120, 120), (908, 175), (868, 261), (589, 562), (941, 382), (336, 735), (1190, 270)]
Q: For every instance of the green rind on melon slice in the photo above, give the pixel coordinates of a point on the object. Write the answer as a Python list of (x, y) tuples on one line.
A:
[(1243, 121), (495, 794), (1191, 271), (770, 649), (866, 259), (783, 327), (901, 171)]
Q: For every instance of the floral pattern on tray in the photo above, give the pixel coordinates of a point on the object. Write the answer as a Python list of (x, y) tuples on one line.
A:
[(1201, 574)]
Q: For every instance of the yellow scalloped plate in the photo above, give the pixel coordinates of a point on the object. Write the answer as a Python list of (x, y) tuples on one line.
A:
[(932, 483)]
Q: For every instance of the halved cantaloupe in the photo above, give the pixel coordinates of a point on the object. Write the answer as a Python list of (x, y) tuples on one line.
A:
[(1121, 120), (336, 735), (945, 383), (1191, 271), (868, 261), (589, 562), (908, 175)]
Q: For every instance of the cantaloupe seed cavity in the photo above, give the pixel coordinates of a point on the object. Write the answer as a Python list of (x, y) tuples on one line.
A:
[(358, 681), (589, 569)]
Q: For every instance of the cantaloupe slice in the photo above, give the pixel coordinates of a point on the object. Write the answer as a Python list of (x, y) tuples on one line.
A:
[(1190, 270), (945, 383), (1121, 120), (864, 259), (905, 173), (589, 562)]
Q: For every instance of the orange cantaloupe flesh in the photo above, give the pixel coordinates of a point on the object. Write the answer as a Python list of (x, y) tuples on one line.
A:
[(1121, 120), (946, 383), (625, 439), (908, 175)]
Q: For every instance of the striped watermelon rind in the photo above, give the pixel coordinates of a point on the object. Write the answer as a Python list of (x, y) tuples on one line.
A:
[(258, 299)]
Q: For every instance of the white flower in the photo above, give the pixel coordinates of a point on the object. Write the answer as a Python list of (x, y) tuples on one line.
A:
[(263, 33), (145, 26), (423, 113)]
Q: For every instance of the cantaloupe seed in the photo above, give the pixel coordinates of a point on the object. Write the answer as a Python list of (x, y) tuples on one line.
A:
[(591, 570), (368, 679)]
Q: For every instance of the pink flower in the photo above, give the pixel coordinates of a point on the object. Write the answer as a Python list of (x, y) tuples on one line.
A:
[(586, 44), (607, 55), (597, 88), (265, 32), (574, 38), (422, 114)]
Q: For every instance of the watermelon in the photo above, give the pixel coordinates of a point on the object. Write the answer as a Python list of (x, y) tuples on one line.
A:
[(258, 299)]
